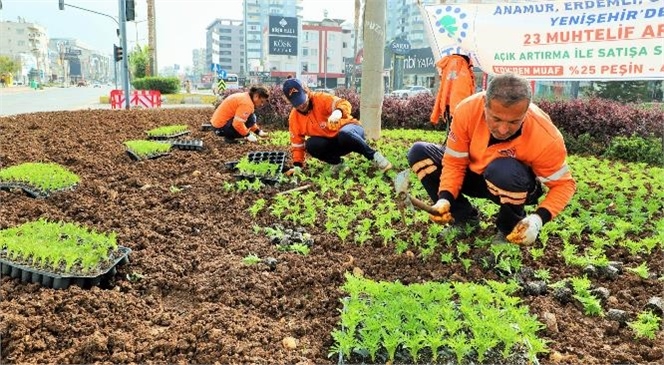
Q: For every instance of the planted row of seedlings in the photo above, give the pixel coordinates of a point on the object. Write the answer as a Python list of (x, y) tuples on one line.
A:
[(358, 207), (437, 323)]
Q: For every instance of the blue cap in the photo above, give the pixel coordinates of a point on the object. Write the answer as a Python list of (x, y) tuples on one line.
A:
[(294, 92)]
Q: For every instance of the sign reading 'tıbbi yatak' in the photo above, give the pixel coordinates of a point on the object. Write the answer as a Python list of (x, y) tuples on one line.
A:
[(555, 40)]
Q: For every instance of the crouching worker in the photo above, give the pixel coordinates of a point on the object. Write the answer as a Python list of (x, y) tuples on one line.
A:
[(234, 118), (500, 147), (321, 124)]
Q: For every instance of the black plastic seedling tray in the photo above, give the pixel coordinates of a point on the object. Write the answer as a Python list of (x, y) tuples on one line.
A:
[(206, 127), (274, 157), (31, 191), (49, 279), (169, 136), (188, 144), (136, 157)]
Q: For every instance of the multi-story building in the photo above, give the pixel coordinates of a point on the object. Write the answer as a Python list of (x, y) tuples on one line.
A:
[(28, 43), (73, 61), (257, 14), (200, 65), (326, 45), (225, 45)]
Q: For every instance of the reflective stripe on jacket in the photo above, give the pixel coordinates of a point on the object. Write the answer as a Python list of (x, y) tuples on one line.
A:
[(540, 146)]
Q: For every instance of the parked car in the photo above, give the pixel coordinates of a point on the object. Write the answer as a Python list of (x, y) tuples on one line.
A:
[(410, 91)]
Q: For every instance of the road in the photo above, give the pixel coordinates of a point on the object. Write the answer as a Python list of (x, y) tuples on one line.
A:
[(19, 100)]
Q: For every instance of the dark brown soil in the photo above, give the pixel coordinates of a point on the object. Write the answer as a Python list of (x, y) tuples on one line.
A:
[(190, 298)]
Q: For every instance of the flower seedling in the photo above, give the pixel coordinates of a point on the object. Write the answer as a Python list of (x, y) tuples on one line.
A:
[(168, 131), (41, 177), (147, 149), (642, 270), (53, 246), (251, 259), (646, 325)]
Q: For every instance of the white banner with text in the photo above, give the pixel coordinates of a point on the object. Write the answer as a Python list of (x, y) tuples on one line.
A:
[(555, 40)]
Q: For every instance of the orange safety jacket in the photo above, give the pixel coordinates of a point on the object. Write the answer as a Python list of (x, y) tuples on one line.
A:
[(237, 106), (314, 123), (457, 82), (540, 146)]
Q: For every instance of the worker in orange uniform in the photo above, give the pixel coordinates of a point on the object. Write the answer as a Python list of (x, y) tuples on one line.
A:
[(321, 124), (457, 82), (234, 118), (502, 148)]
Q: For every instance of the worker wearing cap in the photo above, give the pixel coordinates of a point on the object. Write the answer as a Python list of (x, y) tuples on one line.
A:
[(321, 124)]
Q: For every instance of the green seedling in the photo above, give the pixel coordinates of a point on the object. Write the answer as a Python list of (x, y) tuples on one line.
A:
[(169, 130), (42, 176), (146, 149), (642, 270), (251, 259), (646, 325)]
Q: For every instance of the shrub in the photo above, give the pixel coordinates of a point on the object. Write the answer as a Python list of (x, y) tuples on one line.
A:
[(636, 149), (165, 85)]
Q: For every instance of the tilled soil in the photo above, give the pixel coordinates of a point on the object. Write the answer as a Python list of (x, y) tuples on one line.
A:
[(186, 296)]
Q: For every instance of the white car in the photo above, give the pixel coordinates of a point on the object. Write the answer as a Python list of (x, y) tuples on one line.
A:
[(410, 91)]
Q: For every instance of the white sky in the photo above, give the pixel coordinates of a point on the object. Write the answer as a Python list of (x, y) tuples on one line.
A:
[(180, 23)]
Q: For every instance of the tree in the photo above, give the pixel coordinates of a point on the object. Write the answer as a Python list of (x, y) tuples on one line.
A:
[(9, 65), (622, 91), (138, 61)]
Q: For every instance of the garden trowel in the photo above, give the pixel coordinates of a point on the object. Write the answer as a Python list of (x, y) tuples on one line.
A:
[(404, 199)]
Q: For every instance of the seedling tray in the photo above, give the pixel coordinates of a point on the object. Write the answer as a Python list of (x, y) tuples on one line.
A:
[(32, 191), (168, 136), (206, 127), (52, 280), (188, 145), (136, 157), (274, 157)]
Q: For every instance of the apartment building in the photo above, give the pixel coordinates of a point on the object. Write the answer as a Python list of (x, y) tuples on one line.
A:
[(225, 45), (27, 42)]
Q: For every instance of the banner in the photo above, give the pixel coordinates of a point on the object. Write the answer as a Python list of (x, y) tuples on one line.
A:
[(555, 40)]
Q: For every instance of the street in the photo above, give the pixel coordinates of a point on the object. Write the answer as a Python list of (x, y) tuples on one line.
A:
[(19, 100)]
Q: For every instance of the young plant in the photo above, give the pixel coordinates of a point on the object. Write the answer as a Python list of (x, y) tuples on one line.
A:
[(642, 270), (168, 131), (646, 325), (147, 149), (41, 176), (251, 259)]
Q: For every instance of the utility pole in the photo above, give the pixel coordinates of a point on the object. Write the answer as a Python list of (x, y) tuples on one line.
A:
[(371, 96), (122, 5), (152, 39), (358, 8)]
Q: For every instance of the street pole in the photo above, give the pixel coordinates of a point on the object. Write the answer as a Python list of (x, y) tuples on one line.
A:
[(123, 40)]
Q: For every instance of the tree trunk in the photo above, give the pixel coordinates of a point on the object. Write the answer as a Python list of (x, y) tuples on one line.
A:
[(353, 76), (152, 40), (371, 96)]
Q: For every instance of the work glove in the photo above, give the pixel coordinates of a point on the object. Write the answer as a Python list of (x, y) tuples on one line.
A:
[(333, 120), (262, 133), (295, 170), (444, 216), (251, 137), (525, 232)]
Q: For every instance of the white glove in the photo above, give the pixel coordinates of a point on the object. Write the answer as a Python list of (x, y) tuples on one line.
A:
[(444, 216), (251, 137), (261, 133), (335, 116), (295, 170), (525, 232)]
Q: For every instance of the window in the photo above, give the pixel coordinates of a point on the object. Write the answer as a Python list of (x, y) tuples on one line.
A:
[(305, 67), (305, 51), (344, 45), (225, 38), (225, 30), (314, 52)]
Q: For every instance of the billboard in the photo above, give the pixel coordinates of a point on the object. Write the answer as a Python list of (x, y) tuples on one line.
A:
[(554, 40), (282, 35)]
